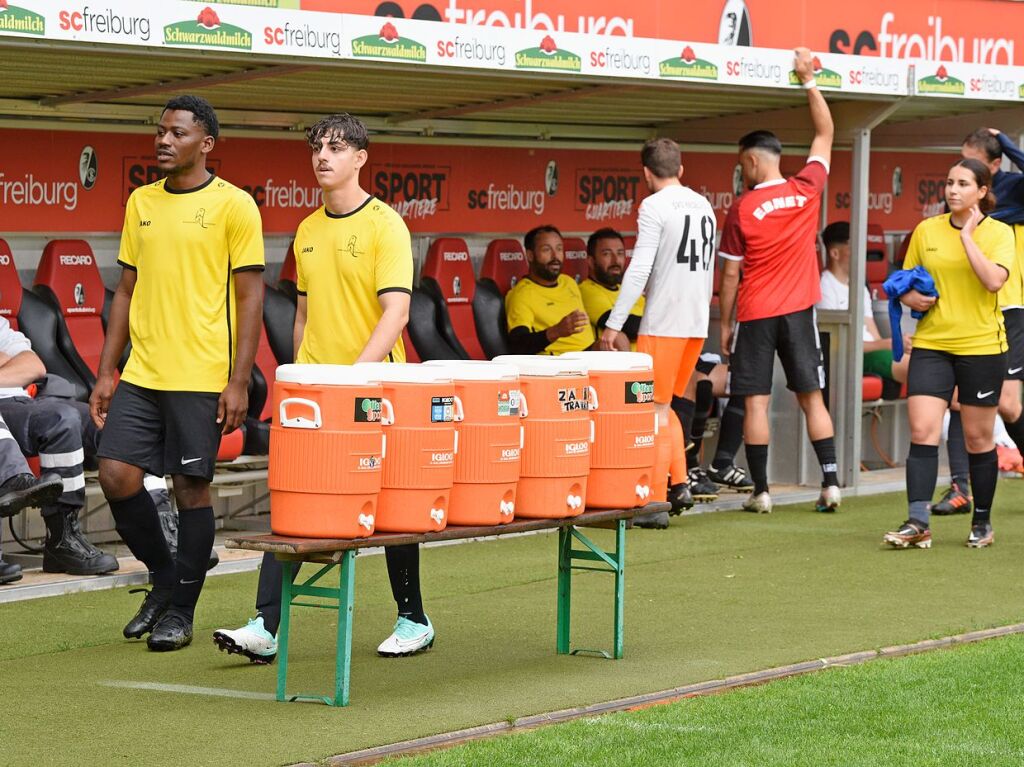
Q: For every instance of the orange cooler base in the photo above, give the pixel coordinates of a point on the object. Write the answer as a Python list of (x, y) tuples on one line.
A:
[(618, 488), (322, 515), (551, 497), (411, 511), (479, 504)]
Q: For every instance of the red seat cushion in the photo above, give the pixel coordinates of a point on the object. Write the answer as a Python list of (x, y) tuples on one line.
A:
[(504, 264), (231, 445), (10, 286), (877, 265), (68, 268), (871, 388), (448, 265), (576, 265)]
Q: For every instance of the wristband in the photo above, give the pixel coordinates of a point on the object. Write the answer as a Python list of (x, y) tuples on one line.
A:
[(812, 83)]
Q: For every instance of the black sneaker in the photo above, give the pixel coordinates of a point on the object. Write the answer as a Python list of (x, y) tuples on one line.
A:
[(702, 489), (67, 551), (955, 501), (172, 632), (680, 498), (733, 477), (153, 607), (9, 572), (981, 536), (23, 491), (655, 520)]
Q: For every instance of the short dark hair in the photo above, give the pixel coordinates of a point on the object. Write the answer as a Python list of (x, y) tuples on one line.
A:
[(985, 142), (762, 139), (836, 233), (982, 177), (342, 125), (202, 112), (531, 236), (661, 157), (607, 233)]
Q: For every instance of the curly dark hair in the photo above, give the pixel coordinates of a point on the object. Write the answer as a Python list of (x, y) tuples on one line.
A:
[(341, 126), (202, 112)]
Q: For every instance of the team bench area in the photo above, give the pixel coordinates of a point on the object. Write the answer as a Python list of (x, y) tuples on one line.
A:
[(331, 553)]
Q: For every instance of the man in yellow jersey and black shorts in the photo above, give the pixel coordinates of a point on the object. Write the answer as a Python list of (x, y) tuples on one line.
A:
[(354, 263), (190, 298), (545, 311), (607, 254)]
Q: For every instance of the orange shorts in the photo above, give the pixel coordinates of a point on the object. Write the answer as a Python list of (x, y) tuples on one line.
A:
[(674, 362)]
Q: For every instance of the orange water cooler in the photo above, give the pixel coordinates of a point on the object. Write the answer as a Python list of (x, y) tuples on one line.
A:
[(490, 442), (419, 466), (622, 456), (555, 400), (326, 450)]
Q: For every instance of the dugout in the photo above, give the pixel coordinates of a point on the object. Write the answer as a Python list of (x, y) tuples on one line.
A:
[(478, 132)]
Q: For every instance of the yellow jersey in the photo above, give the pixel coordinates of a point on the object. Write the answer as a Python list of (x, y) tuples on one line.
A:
[(1011, 296), (344, 262), (185, 247), (598, 301), (966, 317), (538, 307)]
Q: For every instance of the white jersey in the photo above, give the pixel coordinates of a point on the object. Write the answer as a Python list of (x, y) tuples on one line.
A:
[(674, 258), (836, 295)]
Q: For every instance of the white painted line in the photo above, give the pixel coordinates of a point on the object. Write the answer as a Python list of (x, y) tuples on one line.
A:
[(187, 689)]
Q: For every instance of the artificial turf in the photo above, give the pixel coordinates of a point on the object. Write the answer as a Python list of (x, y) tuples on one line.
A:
[(714, 595)]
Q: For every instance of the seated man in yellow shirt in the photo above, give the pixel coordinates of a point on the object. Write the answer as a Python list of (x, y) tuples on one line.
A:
[(607, 254), (545, 310)]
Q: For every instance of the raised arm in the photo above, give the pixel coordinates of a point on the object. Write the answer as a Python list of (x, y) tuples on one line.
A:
[(821, 117)]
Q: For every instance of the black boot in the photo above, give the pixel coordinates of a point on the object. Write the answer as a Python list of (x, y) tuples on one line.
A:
[(680, 498), (23, 491), (67, 551), (154, 605), (172, 632), (9, 572), (169, 524)]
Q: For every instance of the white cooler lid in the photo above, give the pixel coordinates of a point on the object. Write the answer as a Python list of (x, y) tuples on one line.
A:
[(614, 361), (477, 370), (327, 375), (404, 372), (537, 365)]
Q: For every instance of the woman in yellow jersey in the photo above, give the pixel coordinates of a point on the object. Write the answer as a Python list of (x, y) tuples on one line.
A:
[(959, 344)]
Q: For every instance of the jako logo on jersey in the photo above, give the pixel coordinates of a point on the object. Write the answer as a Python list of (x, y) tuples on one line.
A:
[(303, 37), (104, 22), (687, 65), (387, 44), (414, 191), (21, 20), (547, 56), (83, 260), (606, 194), (207, 31), (779, 203)]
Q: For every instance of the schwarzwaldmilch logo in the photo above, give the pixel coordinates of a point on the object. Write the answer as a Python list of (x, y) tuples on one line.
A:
[(548, 56), (388, 44), (209, 31), (941, 82), (688, 65), (825, 78), (22, 20)]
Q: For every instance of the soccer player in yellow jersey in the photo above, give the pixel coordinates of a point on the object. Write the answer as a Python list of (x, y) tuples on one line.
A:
[(607, 254), (354, 262), (959, 343), (545, 311), (190, 299)]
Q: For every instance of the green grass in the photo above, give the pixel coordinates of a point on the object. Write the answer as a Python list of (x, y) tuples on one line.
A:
[(949, 707), (714, 595)]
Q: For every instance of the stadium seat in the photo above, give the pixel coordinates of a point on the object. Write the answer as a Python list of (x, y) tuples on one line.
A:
[(447, 278), (877, 264), (504, 264), (422, 334), (279, 326), (576, 264), (871, 388), (287, 278), (901, 252), (489, 315)]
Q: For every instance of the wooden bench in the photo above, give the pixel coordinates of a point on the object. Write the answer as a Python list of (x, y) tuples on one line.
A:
[(341, 553)]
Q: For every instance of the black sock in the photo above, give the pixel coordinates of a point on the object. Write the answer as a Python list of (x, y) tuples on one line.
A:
[(684, 409), (404, 574), (825, 449), (922, 472), (757, 462), (956, 448), (195, 542), (268, 592), (1016, 431), (984, 475), (730, 433), (136, 521), (702, 409)]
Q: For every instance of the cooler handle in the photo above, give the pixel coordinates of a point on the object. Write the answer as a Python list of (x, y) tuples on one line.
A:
[(298, 422), (524, 411), (389, 418), (460, 414), (593, 397)]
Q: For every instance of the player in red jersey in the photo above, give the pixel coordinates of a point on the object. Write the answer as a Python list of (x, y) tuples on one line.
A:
[(771, 231)]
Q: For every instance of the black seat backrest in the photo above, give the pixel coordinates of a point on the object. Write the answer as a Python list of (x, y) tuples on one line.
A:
[(489, 316), (279, 322), (423, 329), (40, 323)]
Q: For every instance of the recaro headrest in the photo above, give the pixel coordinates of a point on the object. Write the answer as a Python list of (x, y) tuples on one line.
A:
[(10, 285), (448, 264), (68, 268), (576, 265), (504, 264)]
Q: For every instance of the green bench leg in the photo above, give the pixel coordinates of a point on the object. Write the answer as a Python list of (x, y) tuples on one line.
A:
[(282, 630), (564, 589), (343, 649), (620, 586)]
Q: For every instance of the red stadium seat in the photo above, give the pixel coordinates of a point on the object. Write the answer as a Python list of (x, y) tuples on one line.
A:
[(576, 264), (231, 445), (871, 388), (877, 264), (901, 253), (288, 277), (447, 277), (504, 264), (10, 286)]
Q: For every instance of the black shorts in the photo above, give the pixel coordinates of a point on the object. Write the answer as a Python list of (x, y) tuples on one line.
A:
[(1013, 319), (754, 344), (163, 432), (978, 378)]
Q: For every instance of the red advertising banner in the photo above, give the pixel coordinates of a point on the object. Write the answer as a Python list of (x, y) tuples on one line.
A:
[(62, 181)]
